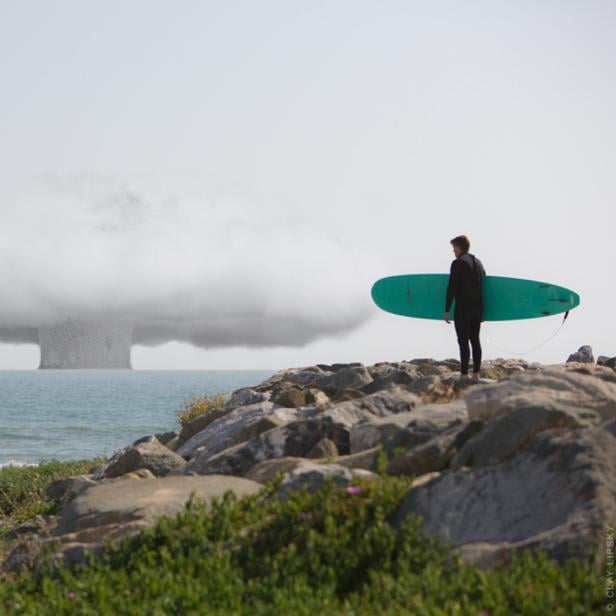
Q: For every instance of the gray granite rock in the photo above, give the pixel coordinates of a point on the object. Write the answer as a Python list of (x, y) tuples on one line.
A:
[(583, 355), (542, 388), (557, 494), (425, 418), (294, 439), (149, 455), (122, 501), (245, 397), (190, 428), (312, 476), (436, 453), (239, 425), (504, 436)]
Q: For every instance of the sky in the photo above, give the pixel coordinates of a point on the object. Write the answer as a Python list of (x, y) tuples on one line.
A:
[(235, 175)]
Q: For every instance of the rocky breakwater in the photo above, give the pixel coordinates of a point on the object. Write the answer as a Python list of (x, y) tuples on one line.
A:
[(523, 457)]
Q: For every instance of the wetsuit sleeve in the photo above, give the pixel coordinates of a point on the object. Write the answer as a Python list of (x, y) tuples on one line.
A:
[(453, 286)]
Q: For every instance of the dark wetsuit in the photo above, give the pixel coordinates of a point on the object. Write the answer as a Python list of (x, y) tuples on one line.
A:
[(465, 282)]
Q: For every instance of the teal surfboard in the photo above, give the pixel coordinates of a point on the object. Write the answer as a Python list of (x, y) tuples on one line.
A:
[(505, 299)]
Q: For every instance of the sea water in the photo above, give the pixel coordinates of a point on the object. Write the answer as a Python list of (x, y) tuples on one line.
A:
[(82, 414)]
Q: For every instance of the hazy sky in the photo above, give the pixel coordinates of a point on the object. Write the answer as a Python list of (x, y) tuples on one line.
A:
[(246, 169)]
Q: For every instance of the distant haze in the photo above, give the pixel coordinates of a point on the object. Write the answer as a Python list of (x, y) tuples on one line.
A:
[(232, 177)]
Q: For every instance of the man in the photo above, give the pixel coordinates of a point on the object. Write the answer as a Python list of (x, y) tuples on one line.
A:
[(465, 286)]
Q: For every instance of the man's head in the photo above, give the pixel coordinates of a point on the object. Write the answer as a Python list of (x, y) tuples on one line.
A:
[(460, 245)]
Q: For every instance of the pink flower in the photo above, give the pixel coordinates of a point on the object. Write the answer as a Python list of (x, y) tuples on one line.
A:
[(71, 596), (352, 489), (484, 613)]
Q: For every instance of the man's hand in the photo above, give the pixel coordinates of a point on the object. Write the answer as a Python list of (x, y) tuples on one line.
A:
[(447, 317)]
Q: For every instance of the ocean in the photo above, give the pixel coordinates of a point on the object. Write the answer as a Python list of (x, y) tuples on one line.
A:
[(82, 414)]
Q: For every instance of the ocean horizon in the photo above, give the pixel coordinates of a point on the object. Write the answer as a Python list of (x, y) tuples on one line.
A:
[(82, 414)]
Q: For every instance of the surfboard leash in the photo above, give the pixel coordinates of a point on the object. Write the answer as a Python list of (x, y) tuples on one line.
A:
[(534, 348)]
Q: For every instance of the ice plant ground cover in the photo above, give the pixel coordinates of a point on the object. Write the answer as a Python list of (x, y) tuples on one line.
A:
[(331, 551)]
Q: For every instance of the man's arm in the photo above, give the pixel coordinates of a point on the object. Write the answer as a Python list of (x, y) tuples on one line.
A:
[(452, 286)]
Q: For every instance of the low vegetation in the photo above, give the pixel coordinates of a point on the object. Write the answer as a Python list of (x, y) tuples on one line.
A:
[(331, 552), (22, 487), (199, 405)]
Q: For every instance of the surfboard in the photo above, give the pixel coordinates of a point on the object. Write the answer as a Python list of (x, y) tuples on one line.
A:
[(505, 299)]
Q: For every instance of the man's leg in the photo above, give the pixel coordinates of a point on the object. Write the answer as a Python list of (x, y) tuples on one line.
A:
[(461, 322), (474, 327)]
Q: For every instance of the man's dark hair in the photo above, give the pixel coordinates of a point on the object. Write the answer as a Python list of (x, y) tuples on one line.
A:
[(461, 241)]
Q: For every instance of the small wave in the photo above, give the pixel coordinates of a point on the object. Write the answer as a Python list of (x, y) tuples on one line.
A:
[(16, 463)]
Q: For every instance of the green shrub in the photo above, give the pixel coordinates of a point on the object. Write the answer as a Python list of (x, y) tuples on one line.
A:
[(331, 552), (22, 487), (199, 405)]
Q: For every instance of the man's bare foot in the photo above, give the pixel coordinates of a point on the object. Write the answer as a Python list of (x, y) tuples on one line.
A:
[(475, 376)]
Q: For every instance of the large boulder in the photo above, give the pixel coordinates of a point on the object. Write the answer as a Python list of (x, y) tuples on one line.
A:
[(542, 389), (330, 379), (505, 435), (295, 439), (384, 403), (149, 455), (384, 375), (239, 425), (436, 453), (427, 418), (196, 425), (123, 501), (582, 355), (557, 495), (298, 438)]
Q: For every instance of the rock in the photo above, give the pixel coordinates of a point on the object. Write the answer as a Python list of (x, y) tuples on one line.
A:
[(425, 422), (300, 376), (239, 425), (380, 404), (198, 424), (434, 454), (610, 426), (540, 389), (22, 557), (295, 439), (352, 377), (245, 397), (583, 355), (611, 363), (288, 395), (268, 470), (325, 448), (173, 444), (364, 459), (312, 476), (376, 430), (385, 375), (327, 378), (557, 495), (65, 490), (37, 525), (501, 368), (505, 435), (423, 479), (150, 455), (295, 396), (428, 418), (437, 417), (119, 501), (164, 438)]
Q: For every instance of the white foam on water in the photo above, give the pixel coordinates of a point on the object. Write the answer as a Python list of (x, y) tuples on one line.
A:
[(16, 463)]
